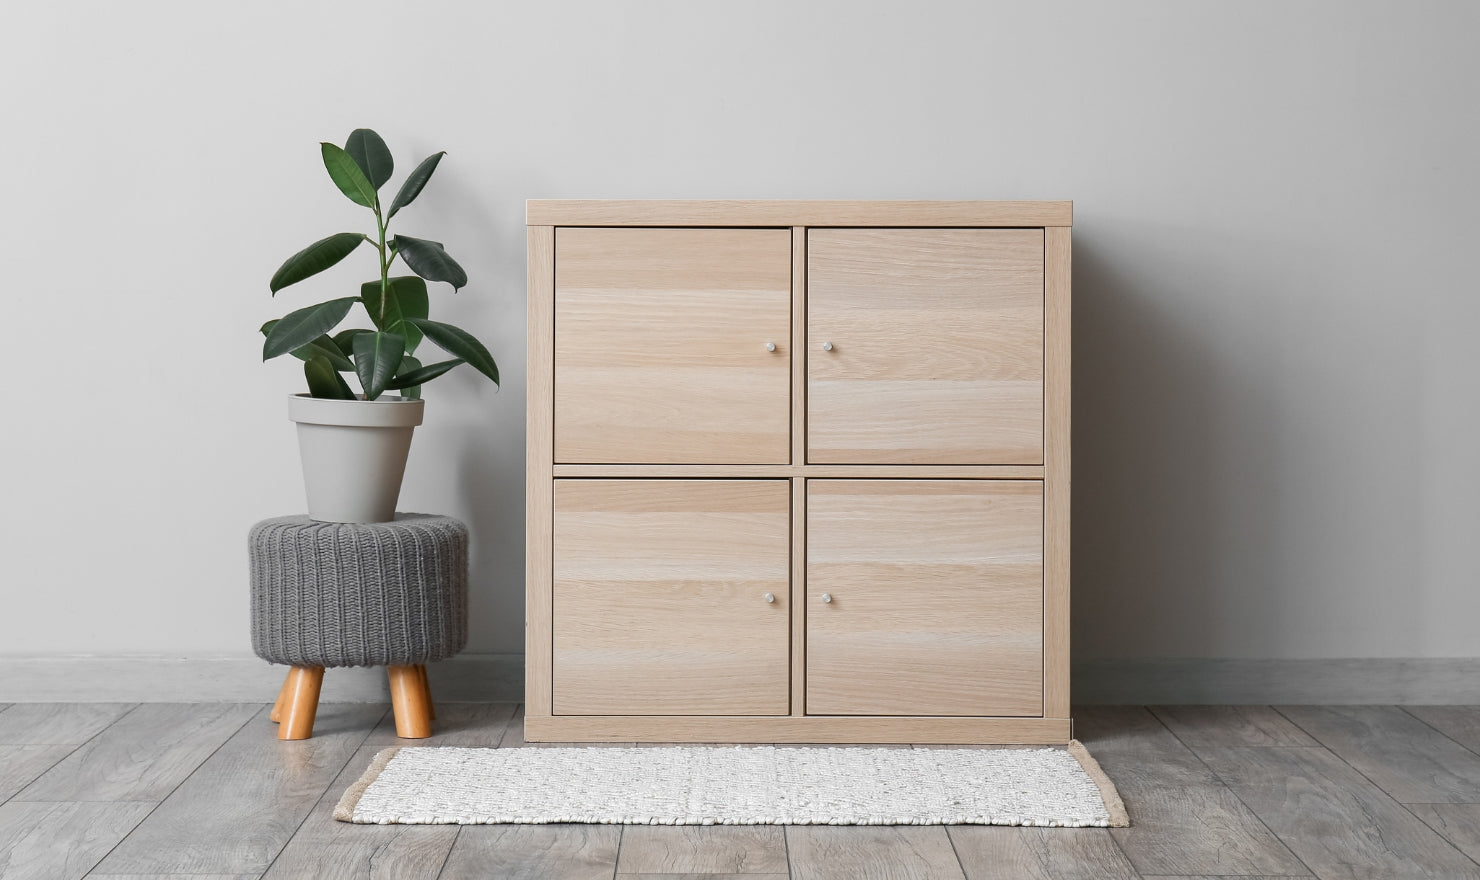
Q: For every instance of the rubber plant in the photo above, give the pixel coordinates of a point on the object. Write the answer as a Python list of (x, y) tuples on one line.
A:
[(382, 359)]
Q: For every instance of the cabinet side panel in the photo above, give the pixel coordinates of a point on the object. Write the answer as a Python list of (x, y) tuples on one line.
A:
[(1056, 395), (539, 459)]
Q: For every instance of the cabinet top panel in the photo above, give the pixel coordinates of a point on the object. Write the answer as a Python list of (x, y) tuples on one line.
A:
[(739, 212)]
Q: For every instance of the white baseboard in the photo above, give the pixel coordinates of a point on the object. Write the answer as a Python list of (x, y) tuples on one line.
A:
[(1435, 681), (492, 677), (1189, 681)]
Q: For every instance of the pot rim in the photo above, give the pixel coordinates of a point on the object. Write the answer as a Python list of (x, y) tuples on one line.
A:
[(386, 412)]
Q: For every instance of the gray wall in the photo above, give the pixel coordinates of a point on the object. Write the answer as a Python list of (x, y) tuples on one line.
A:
[(1276, 393)]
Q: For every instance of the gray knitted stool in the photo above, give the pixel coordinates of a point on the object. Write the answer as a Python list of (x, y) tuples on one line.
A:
[(391, 594)]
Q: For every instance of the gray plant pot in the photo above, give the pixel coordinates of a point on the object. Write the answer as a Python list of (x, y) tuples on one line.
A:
[(354, 455)]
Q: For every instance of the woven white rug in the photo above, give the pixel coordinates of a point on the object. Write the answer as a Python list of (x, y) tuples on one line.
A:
[(707, 785)]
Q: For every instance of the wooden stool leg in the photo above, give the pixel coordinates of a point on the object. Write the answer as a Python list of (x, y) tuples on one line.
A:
[(282, 698), (409, 702), (303, 702), (426, 687)]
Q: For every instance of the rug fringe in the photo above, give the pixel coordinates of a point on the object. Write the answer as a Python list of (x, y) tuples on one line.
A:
[(1114, 806), (345, 810)]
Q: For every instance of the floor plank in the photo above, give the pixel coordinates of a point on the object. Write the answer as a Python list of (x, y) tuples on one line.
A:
[(1457, 823), (144, 755), (702, 876), (1338, 823), (534, 852), (61, 841), (1231, 726), (703, 849), (57, 724), (465, 725), (174, 876), (324, 849), (20, 765), (1039, 854), (1183, 819), (239, 809), (872, 852), (1459, 723), (1405, 757)]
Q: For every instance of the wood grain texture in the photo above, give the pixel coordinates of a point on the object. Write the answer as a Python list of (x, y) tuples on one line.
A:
[(660, 346), (1338, 823), (21, 765), (700, 849), (239, 809), (1039, 854), (1231, 727), (1457, 823), (323, 849), (798, 346), (250, 876), (798, 590), (144, 755), (513, 737), (762, 471), (1459, 723), (787, 729), (297, 714), (937, 597), (534, 852), (659, 602), (1057, 461), (1402, 755), (61, 841), (57, 724), (1183, 819), (872, 852), (937, 346), (704, 876), (741, 212), (411, 702), (539, 452)]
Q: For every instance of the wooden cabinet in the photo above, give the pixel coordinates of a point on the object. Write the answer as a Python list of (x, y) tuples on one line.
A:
[(798, 471)]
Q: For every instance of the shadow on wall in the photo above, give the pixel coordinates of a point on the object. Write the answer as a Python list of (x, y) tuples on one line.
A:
[(1226, 498)]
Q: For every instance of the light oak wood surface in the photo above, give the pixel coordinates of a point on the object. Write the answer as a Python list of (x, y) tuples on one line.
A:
[(659, 597), (937, 342), (762, 471), (302, 703), (411, 702), (742, 212), (936, 591), (833, 730), (661, 342), (1057, 460), (539, 455)]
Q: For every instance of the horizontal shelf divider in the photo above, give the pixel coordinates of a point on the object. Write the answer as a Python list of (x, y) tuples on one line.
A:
[(818, 471)]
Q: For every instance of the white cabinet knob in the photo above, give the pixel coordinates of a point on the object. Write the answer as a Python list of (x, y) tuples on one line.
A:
[(826, 598), (827, 346), (770, 346), (770, 597)]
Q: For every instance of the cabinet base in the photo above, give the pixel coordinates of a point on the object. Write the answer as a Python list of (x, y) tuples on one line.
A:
[(795, 729)]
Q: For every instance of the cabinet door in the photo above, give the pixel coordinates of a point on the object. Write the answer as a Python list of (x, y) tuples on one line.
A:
[(936, 590), (661, 346), (660, 597), (925, 346)]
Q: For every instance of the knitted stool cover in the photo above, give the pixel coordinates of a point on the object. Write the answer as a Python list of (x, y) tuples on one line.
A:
[(359, 594)]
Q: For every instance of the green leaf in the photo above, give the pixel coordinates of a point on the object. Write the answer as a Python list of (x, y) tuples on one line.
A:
[(413, 184), (459, 343), (408, 299), (323, 381), (371, 155), (344, 340), (430, 261), (297, 329), (315, 258), (377, 356), (408, 364), (348, 176), (422, 375)]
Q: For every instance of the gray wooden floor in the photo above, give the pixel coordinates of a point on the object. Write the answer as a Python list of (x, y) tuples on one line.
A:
[(203, 790)]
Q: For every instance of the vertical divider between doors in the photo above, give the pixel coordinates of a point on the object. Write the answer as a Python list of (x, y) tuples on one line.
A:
[(798, 457), (1057, 269), (539, 574)]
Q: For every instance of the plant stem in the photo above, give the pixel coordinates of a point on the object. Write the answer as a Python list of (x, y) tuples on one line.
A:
[(385, 265)]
